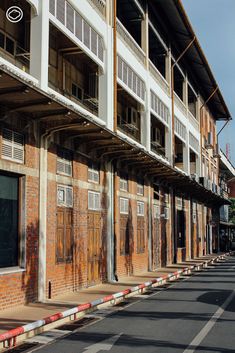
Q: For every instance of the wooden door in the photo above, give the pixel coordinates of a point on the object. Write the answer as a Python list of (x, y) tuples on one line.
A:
[(125, 243), (94, 248), (64, 235), (140, 235), (156, 244)]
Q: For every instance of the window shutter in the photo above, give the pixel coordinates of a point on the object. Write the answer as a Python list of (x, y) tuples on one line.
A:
[(86, 33), (61, 11), (124, 206), (94, 201), (69, 17), (52, 7), (12, 146), (78, 27)]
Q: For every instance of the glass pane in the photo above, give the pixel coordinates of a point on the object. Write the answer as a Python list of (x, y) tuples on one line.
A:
[(8, 221)]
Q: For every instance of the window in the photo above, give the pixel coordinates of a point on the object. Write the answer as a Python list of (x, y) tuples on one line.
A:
[(64, 162), (12, 146), (123, 184), (7, 43), (156, 192), (77, 92), (140, 188), (93, 174), (156, 211), (9, 210), (166, 212), (124, 206), (64, 196), (94, 203), (140, 208)]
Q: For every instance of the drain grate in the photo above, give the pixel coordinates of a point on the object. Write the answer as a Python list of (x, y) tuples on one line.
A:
[(23, 348), (78, 324)]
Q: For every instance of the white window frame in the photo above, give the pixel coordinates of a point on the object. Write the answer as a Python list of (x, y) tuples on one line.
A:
[(167, 212), (140, 186), (64, 161), (93, 207), (156, 211), (93, 172), (125, 182), (140, 208), (126, 207), (12, 144), (65, 202)]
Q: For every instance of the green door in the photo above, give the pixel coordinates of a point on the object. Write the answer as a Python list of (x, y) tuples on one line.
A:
[(9, 221)]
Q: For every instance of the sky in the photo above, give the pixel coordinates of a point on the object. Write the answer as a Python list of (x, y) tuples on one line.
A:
[(214, 24)]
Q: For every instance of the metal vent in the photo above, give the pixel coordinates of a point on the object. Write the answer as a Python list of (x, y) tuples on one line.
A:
[(24, 348), (12, 146)]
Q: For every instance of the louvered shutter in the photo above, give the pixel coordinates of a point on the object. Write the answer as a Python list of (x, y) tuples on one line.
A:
[(12, 146), (52, 7), (60, 13), (70, 17)]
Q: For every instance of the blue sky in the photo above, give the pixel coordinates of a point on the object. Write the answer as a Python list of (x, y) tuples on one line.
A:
[(214, 24)]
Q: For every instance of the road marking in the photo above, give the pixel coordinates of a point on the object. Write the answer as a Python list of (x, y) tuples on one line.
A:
[(207, 328), (105, 345)]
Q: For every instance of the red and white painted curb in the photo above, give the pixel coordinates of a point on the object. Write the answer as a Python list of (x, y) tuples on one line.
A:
[(9, 337)]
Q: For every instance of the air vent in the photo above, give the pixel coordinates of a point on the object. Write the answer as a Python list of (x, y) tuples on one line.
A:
[(12, 146)]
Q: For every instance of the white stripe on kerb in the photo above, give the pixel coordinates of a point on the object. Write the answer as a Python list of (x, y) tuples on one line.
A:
[(207, 328)]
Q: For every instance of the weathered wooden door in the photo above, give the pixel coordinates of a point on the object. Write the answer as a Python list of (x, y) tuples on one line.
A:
[(140, 235), (156, 244), (94, 248), (125, 242), (64, 235)]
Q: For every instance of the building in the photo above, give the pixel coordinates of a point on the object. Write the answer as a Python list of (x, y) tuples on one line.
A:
[(226, 182), (108, 162)]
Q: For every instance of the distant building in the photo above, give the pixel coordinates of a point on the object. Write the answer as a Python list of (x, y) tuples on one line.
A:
[(226, 182), (108, 145)]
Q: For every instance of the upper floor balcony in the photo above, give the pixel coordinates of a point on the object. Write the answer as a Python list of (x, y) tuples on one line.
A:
[(71, 72), (15, 37)]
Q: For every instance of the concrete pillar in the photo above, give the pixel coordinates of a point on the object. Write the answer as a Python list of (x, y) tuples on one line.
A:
[(168, 67), (145, 36), (185, 91), (150, 238), (186, 156), (42, 219), (110, 221), (39, 45)]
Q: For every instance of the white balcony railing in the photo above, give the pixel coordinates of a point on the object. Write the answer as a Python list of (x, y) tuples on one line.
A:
[(130, 42), (180, 104), (193, 120), (159, 78)]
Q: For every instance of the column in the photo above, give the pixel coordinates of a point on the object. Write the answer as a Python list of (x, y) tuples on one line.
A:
[(39, 45)]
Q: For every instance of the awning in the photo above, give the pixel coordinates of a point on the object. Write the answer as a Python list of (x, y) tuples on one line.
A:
[(97, 142)]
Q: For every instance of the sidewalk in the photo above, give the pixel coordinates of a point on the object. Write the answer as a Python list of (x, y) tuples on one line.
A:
[(21, 315)]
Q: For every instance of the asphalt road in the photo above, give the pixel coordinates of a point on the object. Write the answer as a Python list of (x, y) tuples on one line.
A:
[(196, 314)]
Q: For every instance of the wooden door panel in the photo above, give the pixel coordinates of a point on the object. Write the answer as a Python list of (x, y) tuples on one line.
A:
[(94, 247)]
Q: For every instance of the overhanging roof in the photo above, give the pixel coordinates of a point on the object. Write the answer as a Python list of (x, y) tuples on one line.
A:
[(17, 95), (180, 33)]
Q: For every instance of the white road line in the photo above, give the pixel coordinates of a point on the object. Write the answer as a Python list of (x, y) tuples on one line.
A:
[(207, 328)]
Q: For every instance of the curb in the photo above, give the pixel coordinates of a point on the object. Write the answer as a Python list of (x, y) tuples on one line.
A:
[(8, 338)]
